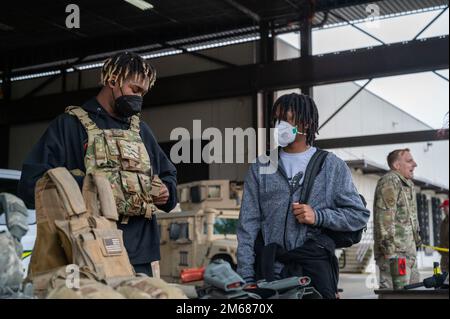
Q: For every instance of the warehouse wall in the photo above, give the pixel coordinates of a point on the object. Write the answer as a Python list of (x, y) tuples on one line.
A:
[(226, 113), (239, 54), (221, 114), (21, 141)]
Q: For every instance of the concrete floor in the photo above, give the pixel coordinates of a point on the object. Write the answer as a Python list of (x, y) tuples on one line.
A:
[(362, 286)]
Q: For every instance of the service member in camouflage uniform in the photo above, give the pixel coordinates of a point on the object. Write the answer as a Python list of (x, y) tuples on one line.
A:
[(11, 269), (396, 227), (106, 136), (444, 236)]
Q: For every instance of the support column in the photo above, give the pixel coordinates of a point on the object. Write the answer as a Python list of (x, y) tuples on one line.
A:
[(266, 98), (306, 47), (6, 86), (4, 145), (4, 129)]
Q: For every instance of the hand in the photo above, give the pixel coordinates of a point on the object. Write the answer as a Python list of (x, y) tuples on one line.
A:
[(304, 213), (163, 196)]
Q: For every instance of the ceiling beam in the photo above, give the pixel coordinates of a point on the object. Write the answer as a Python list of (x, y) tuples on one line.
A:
[(240, 7), (35, 55), (384, 139), (200, 55), (30, 55), (394, 59)]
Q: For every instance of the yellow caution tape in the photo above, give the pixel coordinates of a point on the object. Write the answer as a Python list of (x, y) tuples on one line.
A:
[(445, 250), (26, 254)]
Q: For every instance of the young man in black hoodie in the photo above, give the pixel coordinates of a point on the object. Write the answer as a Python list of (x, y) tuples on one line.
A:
[(126, 78)]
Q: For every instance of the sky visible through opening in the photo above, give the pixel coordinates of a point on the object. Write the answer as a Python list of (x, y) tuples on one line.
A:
[(423, 95)]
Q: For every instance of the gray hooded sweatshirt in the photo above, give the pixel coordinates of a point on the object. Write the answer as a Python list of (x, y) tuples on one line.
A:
[(267, 207)]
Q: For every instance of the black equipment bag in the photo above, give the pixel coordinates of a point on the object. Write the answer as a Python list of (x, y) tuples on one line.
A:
[(341, 239)]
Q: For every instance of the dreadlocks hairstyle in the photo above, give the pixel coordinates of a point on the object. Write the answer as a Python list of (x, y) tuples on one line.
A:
[(304, 111), (126, 65)]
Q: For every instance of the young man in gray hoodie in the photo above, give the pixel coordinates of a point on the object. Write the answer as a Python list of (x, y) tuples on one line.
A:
[(271, 216)]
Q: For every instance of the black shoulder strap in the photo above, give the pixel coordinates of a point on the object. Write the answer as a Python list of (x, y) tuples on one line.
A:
[(312, 170)]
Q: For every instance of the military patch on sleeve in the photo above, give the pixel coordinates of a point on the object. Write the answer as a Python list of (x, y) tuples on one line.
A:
[(389, 196)]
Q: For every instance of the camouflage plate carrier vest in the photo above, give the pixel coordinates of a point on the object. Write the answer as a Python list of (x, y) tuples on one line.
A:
[(121, 156)]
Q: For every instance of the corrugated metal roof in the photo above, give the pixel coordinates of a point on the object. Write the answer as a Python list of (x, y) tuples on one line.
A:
[(386, 8), (39, 35)]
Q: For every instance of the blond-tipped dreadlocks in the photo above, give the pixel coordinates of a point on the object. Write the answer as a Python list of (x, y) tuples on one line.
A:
[(126, 65)]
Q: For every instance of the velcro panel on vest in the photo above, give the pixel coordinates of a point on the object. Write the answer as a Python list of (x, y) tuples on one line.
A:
[(99, 197), (106, 250), (90, 196), (68, 190)]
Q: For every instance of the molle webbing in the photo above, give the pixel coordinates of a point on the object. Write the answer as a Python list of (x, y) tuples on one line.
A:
[(89, 125), (73, 229), (120, 156)]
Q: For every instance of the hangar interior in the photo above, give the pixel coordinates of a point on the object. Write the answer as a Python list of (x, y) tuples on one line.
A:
[(224, 62)]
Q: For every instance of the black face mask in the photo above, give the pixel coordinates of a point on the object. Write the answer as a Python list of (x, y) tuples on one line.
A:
[(128, 105)]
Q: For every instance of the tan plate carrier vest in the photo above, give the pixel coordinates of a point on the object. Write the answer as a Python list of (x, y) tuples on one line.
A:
[(121, 156), (79, 229), (76, 228)]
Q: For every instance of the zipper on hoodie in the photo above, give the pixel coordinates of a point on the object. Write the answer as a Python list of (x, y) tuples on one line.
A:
[(291, 193)]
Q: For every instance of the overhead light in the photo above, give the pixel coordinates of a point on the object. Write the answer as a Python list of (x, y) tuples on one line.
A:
[(90, 66), (222, 43), (161, 54), (34, 75), (141, 4)]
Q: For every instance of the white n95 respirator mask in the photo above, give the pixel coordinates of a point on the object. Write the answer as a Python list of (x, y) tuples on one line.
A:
[(286, 133)]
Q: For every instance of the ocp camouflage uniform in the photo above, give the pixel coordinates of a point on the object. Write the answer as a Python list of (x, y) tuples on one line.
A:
[(11, 272), (396, 227), (11, 268)]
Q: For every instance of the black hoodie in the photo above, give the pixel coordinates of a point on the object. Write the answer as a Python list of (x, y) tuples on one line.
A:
[(63, 145)]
